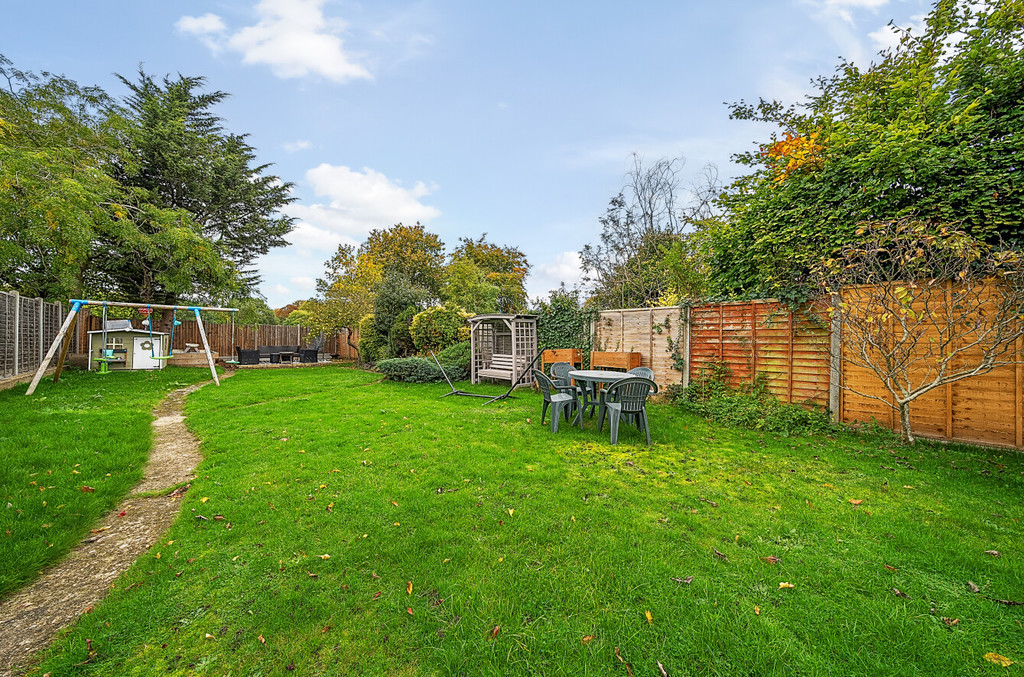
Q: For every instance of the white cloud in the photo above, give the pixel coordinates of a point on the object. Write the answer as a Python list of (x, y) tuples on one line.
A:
[(295, 146), (303, 283), (293, 37), (281, 290), (548, 275), (357, 202)]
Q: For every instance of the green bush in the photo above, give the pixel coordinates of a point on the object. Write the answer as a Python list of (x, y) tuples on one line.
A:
[(458, 354), (399, 339), (438, 327), (418, 370), (750, 406), (371, 344)]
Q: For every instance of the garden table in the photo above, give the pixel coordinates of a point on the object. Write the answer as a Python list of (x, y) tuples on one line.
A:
[(592, 380)]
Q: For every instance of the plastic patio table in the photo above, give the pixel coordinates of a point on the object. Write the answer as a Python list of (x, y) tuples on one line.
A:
[(590, 378)]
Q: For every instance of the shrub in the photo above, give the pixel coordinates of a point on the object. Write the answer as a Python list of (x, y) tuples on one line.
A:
[(418, 370), (371, 345), (458, 354), (438, 327), (749, 406), (399, 339)]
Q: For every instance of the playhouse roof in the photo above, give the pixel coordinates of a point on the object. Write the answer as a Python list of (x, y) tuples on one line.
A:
[(129, 331)]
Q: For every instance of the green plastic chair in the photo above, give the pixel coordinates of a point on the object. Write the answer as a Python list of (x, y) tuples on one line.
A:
[(628, 397), (560, 402)]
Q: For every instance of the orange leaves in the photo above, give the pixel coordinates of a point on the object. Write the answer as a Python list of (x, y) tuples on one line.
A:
[(494, 632), (650, 618), (587, 639), (794, 152), (87, 490), (783, 586), (408, 588)]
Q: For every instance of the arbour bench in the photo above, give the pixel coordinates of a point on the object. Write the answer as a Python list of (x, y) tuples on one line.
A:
[(501, 368)]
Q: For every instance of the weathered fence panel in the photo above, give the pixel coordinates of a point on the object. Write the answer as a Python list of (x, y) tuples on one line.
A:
[(793, 351), (27, 328)]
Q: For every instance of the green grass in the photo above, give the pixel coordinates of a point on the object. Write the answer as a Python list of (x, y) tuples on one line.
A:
[(87, 431), (497, 523)]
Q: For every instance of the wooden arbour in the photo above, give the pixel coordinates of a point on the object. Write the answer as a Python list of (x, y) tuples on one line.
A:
[(503, 346)]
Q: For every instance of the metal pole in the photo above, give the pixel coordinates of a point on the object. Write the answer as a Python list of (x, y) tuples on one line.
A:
[(121, 304)]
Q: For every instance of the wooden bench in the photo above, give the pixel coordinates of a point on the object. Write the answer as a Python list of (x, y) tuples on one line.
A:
[(501, 368)]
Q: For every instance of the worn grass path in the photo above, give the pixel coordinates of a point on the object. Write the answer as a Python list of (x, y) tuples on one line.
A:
[(31, 617)]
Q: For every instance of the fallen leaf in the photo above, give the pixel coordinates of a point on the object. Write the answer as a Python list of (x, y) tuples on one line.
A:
[(720, 556), (408, 588), (950, 621), (856, 501), (326, 629), (204, 499), (373, 576), (409, 611), (891, 568), (394, 503), (588, 639), (973, 587), (757, 610), (312, 575), (87, 490), (786, 585), (376, 595), (209, 636), (495, 631), (629, 668), (325, 556), (510, 511), (998, 659), (686, 581), (1006, 602), (900, 594), (771, 559), (650, 618), (661, 669), (262, 641), (994, 553), (120, 514)]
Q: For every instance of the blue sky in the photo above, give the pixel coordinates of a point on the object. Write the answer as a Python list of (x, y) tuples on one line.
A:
[(514, 119)]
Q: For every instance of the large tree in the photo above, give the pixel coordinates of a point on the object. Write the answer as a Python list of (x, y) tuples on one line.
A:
[(345, 294), (932, 130), (503, 267), (408, 252), (63, 215), (179, 157)]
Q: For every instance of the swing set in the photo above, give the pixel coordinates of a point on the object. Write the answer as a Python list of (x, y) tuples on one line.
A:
[(106, 356)]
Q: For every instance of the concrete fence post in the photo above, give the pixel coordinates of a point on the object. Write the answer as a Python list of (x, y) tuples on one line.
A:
[(835, 371), (17, 331)]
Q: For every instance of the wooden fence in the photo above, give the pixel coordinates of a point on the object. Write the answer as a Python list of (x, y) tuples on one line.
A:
[(802, 360), (27, 328), (223, 342)]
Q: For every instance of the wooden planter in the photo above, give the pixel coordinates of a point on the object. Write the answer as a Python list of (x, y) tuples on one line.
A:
[(607, 360), (573, 356)]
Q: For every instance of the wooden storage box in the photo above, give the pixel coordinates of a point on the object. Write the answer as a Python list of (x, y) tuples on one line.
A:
[(573, 356)]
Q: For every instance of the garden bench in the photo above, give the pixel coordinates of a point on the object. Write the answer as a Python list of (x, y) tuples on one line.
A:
[(501, 368)]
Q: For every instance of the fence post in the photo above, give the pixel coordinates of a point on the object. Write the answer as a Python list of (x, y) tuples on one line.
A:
[(17, 330), (835, 363), (42, 326), (686, 364)]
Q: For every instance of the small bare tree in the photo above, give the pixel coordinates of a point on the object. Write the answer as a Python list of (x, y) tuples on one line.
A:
[(922, 306)]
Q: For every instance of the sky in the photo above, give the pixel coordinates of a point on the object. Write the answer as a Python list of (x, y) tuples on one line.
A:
[(518, 120)]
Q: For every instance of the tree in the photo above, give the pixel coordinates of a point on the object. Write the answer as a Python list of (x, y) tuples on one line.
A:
[(933, 131), (396, 297), (466, 286), (345, 294), (179, 157), (406, 251), (503, 267), (641, 223), (922, 306)]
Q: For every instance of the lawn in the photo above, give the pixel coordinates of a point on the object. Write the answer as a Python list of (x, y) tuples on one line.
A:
[(345, 526), (70, 453)]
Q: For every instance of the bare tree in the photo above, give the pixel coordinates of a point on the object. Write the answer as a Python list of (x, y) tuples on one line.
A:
[(923, 306), (641, 223)]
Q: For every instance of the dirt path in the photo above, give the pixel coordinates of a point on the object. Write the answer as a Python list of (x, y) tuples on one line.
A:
[(31, 617)]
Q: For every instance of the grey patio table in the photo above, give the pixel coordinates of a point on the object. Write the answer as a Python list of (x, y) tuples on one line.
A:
[(591, 378)]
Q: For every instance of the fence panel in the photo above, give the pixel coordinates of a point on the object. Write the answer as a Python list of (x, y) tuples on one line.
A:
[(27, 328)]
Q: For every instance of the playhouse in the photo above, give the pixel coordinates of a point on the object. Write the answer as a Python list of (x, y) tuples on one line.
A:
[(127, 347)]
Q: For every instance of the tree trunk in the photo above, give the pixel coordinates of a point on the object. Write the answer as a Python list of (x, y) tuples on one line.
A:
[(905, 433)]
